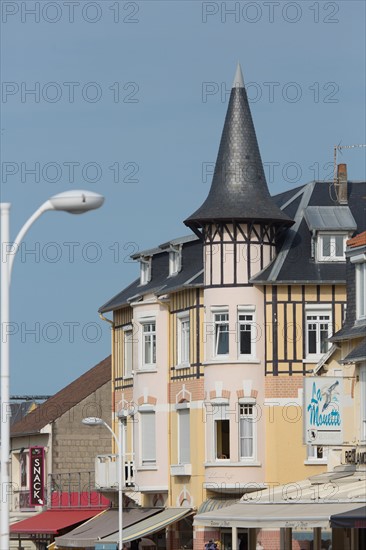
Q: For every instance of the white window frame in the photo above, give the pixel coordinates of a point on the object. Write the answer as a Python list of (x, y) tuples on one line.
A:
[(145, 270), (331, 257), (127, 332), (184, 419), (313, 452), (244, 406), (147, 461), (221, 413), (175, 260), (216, 312), (317, 311), (144, 323), (250, 312), (362, 379), (361, 290), (183, 340)]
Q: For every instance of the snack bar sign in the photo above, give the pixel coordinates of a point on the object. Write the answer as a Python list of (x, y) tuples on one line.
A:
[(323, 410), (36, 477)]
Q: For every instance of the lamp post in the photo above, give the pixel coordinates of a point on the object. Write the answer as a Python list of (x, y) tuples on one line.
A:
[(94, 421), (74, 202)]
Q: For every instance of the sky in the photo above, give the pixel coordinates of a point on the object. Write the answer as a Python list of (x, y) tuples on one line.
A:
[(128, 99)]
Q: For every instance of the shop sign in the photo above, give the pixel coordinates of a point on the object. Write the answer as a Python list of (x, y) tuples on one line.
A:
[(323, 410), (36, 477)]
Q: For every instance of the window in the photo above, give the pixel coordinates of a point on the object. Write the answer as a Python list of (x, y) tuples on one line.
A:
[(318, 330), (360, 290), (145, 270), (148, 443), (184, 450), (317, 453), (127, 357), (246, 431), (221, 321), (246, 334), (331, 247), (23, 468), (363, 402), (222, 439), (148, 344), (183, 340), (175, 260)]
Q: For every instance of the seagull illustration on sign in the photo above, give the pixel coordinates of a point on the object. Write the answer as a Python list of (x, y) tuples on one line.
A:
[(328, 394)]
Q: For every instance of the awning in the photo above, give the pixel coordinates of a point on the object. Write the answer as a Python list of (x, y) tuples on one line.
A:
[(275, 515), (52, 521), (216, 503), (151, 525), (355, 519), (101, 526)]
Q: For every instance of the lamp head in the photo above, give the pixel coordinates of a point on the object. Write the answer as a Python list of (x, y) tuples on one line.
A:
[(76, 201), (92, 421)]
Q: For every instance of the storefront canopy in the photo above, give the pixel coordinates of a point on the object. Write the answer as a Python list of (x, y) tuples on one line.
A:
[(274, 515), (150, 525), (51, 522), (355, 519), (105, 524)]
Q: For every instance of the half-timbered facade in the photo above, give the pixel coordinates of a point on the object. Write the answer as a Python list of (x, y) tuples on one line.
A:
[(211, 342)]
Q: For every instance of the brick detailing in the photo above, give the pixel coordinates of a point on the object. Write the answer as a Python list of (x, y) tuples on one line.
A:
[(193, 387), (240, 394), (224, 393), (282, 386), (150, 400)]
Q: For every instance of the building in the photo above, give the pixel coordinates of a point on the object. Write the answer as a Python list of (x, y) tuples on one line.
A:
[(54, 431), (212, 341), (326, 509)]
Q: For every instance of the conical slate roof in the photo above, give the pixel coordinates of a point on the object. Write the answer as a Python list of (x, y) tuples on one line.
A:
[(239, 189)]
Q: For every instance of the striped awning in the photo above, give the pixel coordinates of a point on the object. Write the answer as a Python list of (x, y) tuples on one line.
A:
[(149, 525), (216, 504)]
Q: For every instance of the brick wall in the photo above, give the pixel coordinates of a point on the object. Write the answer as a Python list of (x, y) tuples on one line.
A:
[(74, 446), (282, 386), (194, 387)]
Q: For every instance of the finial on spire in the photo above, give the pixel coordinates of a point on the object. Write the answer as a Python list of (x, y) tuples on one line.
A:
[(238, 79)]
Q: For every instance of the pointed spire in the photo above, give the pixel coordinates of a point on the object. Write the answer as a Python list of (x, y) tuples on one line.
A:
[(238, 78), (239, 189)]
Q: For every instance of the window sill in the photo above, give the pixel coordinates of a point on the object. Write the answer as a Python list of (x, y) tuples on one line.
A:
[(145, 468), (226, 463), (319, 462), (145, 370), (182, 366), (313, 358), (231, 362)]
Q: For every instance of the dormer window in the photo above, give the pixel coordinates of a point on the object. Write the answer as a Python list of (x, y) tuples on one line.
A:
[(331, 247), (145, 270), (330, 226), (175, 260)]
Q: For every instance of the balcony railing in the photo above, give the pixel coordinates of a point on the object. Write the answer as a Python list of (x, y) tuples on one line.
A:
[(106, 471)]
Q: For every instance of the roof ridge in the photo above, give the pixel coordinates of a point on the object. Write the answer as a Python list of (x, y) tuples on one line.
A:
[(286, 247)]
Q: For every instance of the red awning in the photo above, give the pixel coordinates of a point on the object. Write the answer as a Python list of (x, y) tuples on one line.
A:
[(53, 521)]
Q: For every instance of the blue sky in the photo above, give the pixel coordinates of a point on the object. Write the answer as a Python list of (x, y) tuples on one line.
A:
[(129, 101)]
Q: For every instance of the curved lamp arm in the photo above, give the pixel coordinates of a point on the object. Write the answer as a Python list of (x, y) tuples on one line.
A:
[(18, 239)]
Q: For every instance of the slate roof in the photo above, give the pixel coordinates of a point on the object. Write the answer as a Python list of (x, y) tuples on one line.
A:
[(357, 354), (191, 275), (293, 263), (239, 189), (64, 400)]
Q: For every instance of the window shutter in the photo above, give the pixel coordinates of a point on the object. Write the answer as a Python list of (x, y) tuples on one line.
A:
[(148, 445), (184, 437)]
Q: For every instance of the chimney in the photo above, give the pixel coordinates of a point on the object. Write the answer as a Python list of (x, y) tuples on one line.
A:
[(342, 186)]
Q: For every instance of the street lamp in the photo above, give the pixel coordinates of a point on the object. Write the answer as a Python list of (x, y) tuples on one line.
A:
[(74, 202), (94, 421)]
